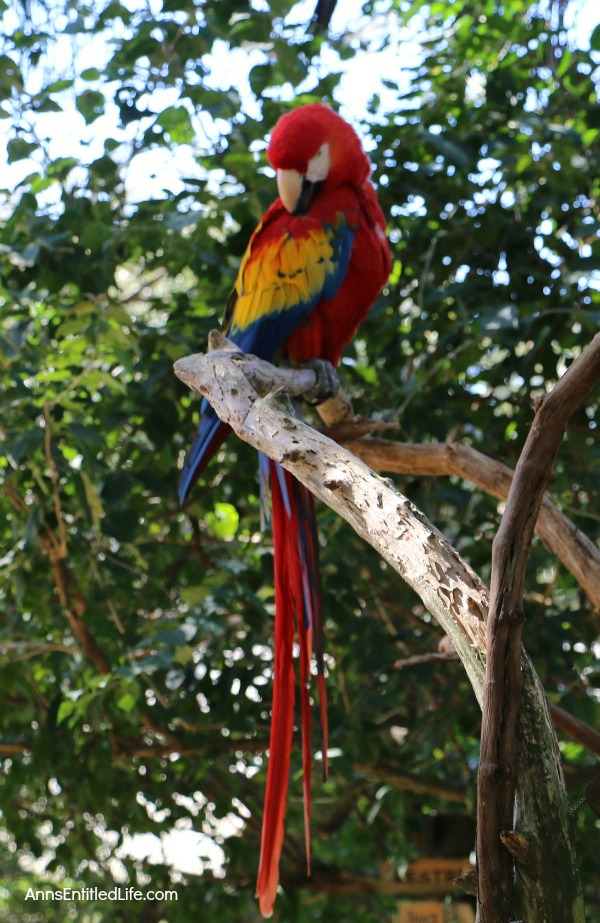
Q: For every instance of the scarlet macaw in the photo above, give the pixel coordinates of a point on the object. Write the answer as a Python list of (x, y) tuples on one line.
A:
[(312, 270)]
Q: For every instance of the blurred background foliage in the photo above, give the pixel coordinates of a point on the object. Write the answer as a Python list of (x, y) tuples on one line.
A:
[(136, 637)]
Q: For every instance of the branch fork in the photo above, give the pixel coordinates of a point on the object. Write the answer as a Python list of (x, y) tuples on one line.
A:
[(521, 778)]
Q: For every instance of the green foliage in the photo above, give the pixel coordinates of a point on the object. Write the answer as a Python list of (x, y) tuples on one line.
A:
[(153, 716)]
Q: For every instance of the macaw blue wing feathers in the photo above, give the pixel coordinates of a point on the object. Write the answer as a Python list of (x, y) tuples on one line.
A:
[(210, 436)]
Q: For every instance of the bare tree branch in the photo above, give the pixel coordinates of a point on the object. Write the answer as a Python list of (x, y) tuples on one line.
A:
[(571, 546), (502, 692), (73, 605), (386, 519), (576, 729), (430, 657), (418, 784)]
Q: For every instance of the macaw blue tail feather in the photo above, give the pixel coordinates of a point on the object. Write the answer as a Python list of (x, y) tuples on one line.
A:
[(210, 436)]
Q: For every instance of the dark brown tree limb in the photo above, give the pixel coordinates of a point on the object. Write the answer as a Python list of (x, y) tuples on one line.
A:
[(73, 606), (497, 779), (431, 657), (323, 13), (415, 783), (72, 601), (54, 544), (8, 750)]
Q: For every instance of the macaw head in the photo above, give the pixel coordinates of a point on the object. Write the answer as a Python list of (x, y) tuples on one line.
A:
[(310, 146)]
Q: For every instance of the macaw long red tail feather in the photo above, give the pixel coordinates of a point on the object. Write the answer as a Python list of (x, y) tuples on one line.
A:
[(297, 602), (282, 720)]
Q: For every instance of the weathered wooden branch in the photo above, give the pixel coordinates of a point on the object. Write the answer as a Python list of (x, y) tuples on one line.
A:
[(266, 378), (448, 587), (386, 519), (570, 545), (498, 772)]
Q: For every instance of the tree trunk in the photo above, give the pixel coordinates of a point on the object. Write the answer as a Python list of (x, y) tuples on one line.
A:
[(547, 874)]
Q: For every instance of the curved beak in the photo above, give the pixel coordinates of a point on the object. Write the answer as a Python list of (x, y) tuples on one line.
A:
[(289, 185)]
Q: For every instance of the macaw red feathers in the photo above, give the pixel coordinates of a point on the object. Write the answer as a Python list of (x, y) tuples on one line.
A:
[(311, 272)]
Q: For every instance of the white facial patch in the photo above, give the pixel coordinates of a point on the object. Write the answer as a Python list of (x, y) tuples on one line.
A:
[(318, 166)]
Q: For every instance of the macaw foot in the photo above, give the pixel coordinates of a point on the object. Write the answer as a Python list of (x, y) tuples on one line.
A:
[(327, 381)]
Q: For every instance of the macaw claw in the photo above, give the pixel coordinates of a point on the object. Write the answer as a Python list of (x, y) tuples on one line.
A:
[(327, 381)]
